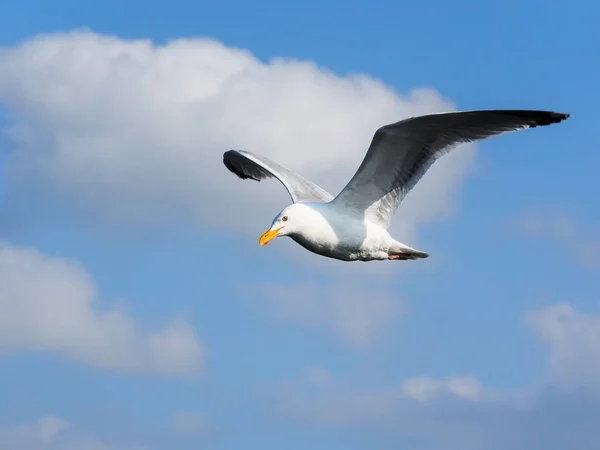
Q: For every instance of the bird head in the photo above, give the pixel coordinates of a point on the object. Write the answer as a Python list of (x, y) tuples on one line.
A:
[(283, 224), (298, 219)]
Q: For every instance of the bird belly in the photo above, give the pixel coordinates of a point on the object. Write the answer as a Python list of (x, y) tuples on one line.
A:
[(329, 249), (351, 246)]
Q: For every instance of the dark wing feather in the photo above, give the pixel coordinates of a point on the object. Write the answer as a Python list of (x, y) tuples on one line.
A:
[(248, 165)]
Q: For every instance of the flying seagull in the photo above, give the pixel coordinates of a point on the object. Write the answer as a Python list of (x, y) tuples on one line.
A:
[(353, 225)]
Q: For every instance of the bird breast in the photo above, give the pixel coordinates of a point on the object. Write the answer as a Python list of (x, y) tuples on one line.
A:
[(330, 233)]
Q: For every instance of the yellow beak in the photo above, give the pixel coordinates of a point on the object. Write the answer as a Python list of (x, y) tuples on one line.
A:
[(268, 236)]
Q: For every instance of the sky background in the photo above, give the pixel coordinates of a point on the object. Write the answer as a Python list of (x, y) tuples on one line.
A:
[(137, 310)]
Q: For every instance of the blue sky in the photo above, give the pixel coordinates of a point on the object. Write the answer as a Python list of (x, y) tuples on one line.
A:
[(137, 309)]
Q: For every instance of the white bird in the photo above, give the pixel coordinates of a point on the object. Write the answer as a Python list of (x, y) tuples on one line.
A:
[(353, 226)]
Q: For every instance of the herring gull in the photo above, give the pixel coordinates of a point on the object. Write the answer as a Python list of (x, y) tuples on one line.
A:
[(354, 225)]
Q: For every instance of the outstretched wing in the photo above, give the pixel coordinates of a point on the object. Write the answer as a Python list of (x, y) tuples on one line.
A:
[(249, 165), (401, 153)]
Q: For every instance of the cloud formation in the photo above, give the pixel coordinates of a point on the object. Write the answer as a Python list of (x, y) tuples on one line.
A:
[(51, 304), (51, 433), (424, 388), (567, 234), (460, 412), (186, 431), (457, 413), (573, 341), (133, 133), (354, 313)]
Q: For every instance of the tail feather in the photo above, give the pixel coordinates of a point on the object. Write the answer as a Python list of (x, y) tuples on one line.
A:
[(418, 254), (411, 253)]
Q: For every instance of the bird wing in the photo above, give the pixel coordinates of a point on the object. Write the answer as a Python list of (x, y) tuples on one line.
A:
[(401, 153), (249, 165)]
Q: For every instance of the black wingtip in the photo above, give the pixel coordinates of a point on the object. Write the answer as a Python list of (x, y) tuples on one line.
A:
[(230, 155), (534, 118), (538, 118), (552, 117), (229, 158), (233, 160)]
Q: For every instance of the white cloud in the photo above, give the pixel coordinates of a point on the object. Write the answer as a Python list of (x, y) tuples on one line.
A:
[(354, 313), (424, 388), (458, 413), (320, 398), (573, 340), (191, 424), (185, 431), (51, 433), (50, 304), (566, 234), (134, 132), (43, 431), (49, 427)]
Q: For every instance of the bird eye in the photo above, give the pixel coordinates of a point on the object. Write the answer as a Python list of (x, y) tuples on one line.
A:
[(284, 218)]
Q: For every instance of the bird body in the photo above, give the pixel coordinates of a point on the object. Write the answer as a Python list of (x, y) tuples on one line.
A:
[(328, 231), (352, 226)]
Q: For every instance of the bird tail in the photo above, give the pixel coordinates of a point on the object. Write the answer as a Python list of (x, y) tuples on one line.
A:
[(408, 252), (418, 254)]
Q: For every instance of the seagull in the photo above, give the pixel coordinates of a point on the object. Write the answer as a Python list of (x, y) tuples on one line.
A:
[(353, 226)]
